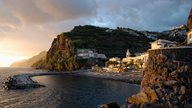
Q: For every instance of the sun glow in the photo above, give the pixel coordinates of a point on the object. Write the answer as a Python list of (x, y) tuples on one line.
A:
[(7, 60), (10, 54)]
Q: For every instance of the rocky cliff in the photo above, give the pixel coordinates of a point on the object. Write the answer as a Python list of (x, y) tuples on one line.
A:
[(31, 61), (189, 22), (167, 80), (60, 56)]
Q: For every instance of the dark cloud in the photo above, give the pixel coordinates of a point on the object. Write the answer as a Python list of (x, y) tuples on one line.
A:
[(146, 14)]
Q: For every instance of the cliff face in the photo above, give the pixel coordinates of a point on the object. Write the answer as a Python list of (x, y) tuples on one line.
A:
[(29, 62), (189, 22), (60, 56), (167, 80)]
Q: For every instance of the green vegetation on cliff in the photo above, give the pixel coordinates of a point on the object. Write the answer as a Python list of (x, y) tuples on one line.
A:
[(62, 61), (113, 43), (60, 56)]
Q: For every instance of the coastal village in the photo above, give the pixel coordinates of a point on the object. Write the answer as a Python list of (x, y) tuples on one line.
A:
[(96, 54), (131, 61), (164, 70)]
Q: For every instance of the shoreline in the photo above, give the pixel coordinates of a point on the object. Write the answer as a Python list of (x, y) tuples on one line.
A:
[(24, 81), (128, 77)]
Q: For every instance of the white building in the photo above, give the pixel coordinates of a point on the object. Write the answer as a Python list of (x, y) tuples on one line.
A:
[(109, 30), (128, 54), (85, 53), (102, 56), (115, 59), (160, 43), (88, 53), (142, 57)]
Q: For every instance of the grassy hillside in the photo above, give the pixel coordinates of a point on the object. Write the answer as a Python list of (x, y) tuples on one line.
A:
[(112, 44)]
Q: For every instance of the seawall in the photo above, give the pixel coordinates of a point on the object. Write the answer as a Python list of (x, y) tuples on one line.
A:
[(177, 53), (167, 80)]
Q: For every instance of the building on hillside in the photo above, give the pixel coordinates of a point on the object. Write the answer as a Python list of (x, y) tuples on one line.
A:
[(160, 43), (101, 56), (115, 59), (189, 29), (88, 53), (138, 61), (150, 35), (179, 31), (89, 58), (84, 53), (109, 30), (113, 62)]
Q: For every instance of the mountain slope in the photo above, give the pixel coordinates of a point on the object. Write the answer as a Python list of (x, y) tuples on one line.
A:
[(111, 42), (29, 62)]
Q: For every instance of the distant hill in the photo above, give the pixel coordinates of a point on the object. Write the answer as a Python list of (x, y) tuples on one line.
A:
[(31, 61)]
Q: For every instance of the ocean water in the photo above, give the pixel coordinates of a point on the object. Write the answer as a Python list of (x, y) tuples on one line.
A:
[(66, 91)]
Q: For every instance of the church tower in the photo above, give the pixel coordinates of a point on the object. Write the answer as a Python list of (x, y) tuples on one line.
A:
[(128, 54)]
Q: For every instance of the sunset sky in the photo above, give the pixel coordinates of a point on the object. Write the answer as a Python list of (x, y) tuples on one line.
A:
[(28, 27)]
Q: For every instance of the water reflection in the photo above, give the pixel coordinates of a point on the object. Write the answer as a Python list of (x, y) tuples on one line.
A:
[(84, 92)]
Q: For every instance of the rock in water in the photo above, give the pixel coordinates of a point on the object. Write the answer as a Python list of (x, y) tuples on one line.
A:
[(22, 81), (110, 105)]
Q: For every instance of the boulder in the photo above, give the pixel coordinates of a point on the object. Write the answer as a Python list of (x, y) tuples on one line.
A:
[(110, 105)]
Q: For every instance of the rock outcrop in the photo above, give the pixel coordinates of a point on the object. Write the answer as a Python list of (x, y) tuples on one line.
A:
[(22, 81), (167, 80), (189, 22), (60, 56), (110, 105)]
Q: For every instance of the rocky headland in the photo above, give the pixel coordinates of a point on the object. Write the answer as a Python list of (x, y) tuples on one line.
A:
[(60, 56)]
